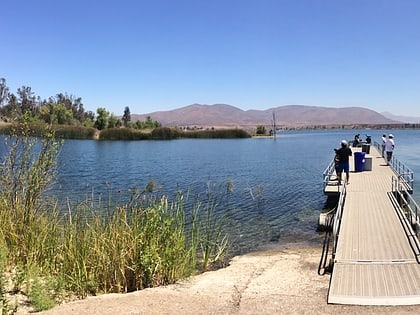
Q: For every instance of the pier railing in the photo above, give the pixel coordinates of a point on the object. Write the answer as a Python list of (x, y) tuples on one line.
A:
[(405, 174), (328, 173), (408, 213), (338, 216), (408, 205)]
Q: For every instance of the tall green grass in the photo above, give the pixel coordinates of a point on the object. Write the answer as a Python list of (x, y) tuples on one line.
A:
[(124, 134), (128, 249), (93, 248), (216, 134)]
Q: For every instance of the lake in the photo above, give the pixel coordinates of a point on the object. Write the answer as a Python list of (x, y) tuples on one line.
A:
[(277, 191)]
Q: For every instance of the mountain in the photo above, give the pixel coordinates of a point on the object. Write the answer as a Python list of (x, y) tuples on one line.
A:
[(405, 119), (223, 115)]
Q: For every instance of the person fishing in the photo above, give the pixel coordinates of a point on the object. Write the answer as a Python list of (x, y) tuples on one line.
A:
[(389, 148), (342, 161)]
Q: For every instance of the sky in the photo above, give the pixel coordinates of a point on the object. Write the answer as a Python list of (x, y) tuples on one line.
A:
[(161, 55)]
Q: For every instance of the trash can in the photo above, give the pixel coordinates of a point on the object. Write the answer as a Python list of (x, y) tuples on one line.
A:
[(359, 161), (366, 148)]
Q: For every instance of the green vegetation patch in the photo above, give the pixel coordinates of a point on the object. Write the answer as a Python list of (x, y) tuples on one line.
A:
[(48, 254)]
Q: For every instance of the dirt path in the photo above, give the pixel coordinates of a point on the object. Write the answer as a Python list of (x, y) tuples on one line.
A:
[(272, 281)]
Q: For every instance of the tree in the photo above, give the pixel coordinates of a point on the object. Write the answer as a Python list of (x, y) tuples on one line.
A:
[(113, 121), (27, 100), (12, 109), (4, 92), (89, 119), (102, 119), (261, 130), (53, 113), (126, 118), (149, 123), (64, 115), (72, 104), (47, 114)]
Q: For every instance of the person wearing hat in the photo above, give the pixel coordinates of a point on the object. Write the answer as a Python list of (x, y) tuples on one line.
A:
[(342, 161), (389, 148), (383, 145)]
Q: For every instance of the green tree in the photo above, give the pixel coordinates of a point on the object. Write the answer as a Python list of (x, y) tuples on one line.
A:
[(113, 121), (47, 113), (89, 119), (149, 123), (64, 115), (53, 113), (27, 100), (73, 105), (126, 118), (12, 109), (102, 118), (261, 130)]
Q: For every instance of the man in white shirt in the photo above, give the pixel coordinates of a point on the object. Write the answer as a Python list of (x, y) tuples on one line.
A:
[(383, 145), (389, 148)]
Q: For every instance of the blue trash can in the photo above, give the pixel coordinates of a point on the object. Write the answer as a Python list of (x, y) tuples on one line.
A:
[(359, 161)]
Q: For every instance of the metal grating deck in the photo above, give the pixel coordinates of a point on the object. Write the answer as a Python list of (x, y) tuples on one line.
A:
[(374, 263)]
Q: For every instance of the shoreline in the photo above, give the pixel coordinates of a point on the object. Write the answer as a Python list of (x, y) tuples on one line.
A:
[(273, 280)]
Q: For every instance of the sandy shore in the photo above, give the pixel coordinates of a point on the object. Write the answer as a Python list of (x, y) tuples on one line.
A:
[(271, 281)]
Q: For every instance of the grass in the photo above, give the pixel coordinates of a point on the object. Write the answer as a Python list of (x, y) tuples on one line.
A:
[(92, 248), (160, 133)]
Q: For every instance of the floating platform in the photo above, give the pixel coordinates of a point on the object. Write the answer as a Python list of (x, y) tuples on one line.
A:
[(376, 258)]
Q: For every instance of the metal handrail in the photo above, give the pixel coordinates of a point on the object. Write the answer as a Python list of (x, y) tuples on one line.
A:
[(407, 203), (328, 172), (338, 215), (405, 174), (408, 216)]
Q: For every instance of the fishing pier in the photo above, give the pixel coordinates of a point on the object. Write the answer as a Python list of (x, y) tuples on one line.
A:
[(372, 248)]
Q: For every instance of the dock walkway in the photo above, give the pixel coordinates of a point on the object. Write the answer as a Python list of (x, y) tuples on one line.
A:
[(374, 263)]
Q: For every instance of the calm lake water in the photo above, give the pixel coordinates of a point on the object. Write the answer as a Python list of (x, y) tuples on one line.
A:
[(277, 184)]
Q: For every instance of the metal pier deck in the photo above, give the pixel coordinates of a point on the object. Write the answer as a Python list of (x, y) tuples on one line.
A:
[(374, 263)]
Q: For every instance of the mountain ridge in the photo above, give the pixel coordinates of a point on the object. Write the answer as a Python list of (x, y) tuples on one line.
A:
[(406, 119), (225, 115)]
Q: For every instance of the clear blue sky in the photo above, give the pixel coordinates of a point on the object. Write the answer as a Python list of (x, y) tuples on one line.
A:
[(165, 54)]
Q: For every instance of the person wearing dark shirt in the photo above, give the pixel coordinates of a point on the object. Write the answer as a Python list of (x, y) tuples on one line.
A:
[(357, 140), (342, 161)]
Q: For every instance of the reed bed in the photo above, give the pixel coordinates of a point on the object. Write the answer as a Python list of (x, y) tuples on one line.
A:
[(216, 134), (124, 134), (49, 254)]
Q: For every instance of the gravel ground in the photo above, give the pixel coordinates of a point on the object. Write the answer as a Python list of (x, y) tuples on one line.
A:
[(270, 281)]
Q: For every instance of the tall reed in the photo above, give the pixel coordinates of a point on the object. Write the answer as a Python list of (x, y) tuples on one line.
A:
[(26, 172), (93, 248), (127, 249)]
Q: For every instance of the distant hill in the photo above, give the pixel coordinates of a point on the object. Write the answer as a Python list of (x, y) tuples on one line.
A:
[(222, 115), (405, 119)]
